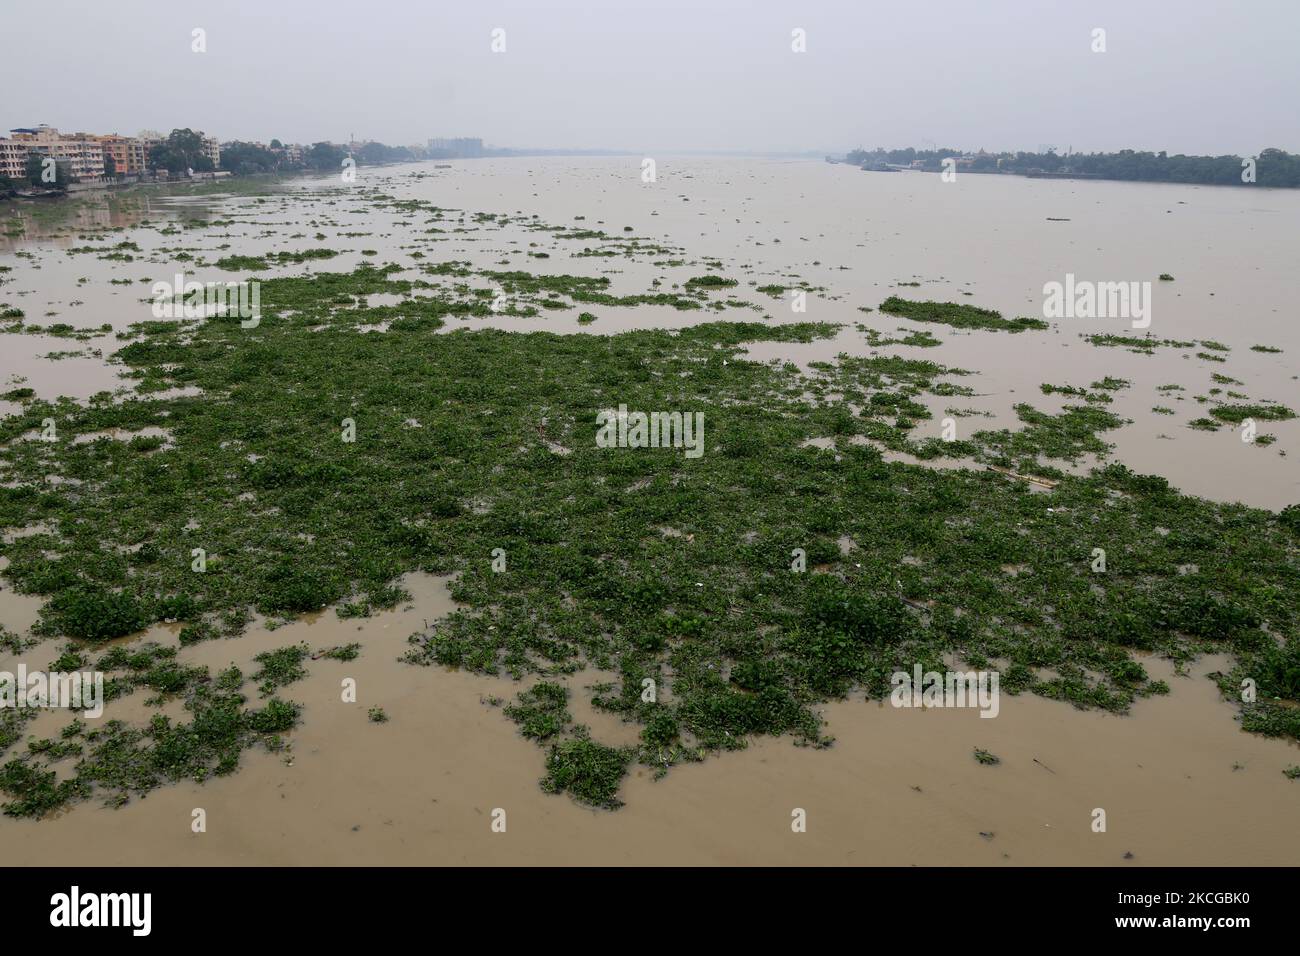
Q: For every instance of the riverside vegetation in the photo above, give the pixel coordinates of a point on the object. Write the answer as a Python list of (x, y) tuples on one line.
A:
[(623, 566)]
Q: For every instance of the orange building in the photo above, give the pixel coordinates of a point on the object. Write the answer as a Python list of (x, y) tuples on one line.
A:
[(128, 154)]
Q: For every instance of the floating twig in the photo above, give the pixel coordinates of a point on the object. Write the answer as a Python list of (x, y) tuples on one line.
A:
[(1045, 482)]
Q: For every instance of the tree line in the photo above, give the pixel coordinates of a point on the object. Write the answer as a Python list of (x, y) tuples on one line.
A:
[(1272, 167)]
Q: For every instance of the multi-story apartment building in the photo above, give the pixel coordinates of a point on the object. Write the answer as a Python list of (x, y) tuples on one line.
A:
[(13, 158), (83, 152), (291, 153), (130, 157), (150, 138), (211, 149)]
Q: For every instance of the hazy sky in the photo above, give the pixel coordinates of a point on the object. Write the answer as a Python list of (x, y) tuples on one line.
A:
[(1193, 76)]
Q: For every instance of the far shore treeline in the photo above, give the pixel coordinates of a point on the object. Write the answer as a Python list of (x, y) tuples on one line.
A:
[(1272, 167), (251, 158)]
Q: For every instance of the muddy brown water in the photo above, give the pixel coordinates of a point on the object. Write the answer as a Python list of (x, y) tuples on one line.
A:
[(986, 240), (1179, 782)]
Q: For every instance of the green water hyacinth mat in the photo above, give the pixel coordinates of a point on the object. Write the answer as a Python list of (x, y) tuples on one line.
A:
[(465, 442)]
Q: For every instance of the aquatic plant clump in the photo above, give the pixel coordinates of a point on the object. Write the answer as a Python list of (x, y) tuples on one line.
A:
[(116, 760), (293, 464), (958, 315)]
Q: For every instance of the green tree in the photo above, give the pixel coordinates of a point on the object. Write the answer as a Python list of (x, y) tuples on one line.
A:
[(247, 158), (325, 156), (180, 152), (37, 175)]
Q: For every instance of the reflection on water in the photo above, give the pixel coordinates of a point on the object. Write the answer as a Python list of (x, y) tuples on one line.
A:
[(32, 221)]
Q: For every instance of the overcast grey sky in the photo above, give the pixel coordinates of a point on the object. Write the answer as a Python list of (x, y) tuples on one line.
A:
[(1195, 76)]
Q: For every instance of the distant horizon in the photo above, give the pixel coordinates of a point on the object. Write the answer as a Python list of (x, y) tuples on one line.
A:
[(664, 151), (764, 76)]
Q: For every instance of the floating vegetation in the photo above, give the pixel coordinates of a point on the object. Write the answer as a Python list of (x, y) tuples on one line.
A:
[(1099, 394), (1111, 384), (280, 667), (957, 315), (117, 760), (589, 771), (541, 711), (1239, 413), (1067, 436), (262, 262), (296, 518), (1137, 343), (920, 339), (242, 263)]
